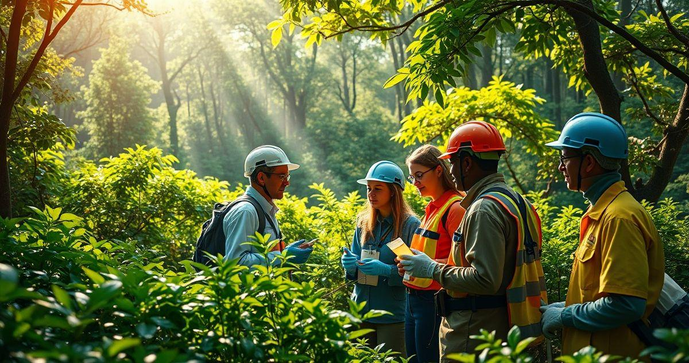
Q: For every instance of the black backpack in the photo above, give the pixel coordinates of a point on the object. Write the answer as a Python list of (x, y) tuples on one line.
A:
[(212, 239)]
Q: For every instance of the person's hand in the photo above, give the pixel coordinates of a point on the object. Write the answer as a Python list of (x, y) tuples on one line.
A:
[(370, 266), (551, 320), (348, 261), (418, 265), (400, 269), (299, 255)]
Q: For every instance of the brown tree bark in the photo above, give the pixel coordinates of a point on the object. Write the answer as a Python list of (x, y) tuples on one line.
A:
[(596, 70), (674, 137)]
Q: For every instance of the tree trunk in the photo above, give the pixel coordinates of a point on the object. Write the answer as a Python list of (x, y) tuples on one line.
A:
[(557, 96), (204, 108), (596, 71), (486, 65), (7, 102)]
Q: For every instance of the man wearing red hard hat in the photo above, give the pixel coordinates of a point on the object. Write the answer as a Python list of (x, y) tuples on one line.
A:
[(493, 279)]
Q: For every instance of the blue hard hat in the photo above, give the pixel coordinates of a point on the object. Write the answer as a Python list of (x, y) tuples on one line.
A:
[(386, 172), (594, 130)]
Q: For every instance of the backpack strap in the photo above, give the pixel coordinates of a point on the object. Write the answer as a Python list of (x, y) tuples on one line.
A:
[(529, 244), (262, 217)]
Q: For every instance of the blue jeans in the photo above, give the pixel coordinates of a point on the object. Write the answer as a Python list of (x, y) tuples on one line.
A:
[(421, 325)]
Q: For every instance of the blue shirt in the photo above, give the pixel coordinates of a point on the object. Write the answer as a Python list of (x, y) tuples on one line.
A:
[(389, 295), (241, 222)]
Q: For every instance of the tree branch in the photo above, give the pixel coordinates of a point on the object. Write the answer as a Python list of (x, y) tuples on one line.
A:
[(633, 79), (186, 61), (404, 26), (47, 39), (673, 30)]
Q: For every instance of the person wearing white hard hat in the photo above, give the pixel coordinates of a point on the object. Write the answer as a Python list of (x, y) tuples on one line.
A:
[(268, 170), (370, 262)]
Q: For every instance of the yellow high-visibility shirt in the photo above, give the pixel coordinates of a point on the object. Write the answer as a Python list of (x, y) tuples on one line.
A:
[(619, 252)]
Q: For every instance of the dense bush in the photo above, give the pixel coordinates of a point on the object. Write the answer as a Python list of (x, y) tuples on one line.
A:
[(68, 296)]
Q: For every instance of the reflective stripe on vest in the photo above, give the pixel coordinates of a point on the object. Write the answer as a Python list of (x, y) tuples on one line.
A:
[(527, 287), (426, 240)]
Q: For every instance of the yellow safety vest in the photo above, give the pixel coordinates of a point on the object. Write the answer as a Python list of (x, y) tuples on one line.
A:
[(527, 287), (426, 239)]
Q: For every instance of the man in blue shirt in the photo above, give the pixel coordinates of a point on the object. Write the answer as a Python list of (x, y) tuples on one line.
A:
[(268, 170)]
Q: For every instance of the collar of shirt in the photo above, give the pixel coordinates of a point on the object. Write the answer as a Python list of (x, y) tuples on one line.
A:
[(384, 221), (479, 187), (602, 183), (438, 203), (267, 207), (596, 210)]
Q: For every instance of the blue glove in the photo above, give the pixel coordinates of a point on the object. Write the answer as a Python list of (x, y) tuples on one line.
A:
[(349, 261), (299, 255), (375, 267), (551, 320), (418, 265)]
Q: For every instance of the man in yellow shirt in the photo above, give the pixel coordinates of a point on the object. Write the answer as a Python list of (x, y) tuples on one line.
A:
[(619, 265)]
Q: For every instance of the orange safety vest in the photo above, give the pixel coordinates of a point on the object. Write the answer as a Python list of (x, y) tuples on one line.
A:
[(427, 239), (527, 287)]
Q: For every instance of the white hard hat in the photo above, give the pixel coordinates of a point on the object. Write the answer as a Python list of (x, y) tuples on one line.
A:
[(266, 155)]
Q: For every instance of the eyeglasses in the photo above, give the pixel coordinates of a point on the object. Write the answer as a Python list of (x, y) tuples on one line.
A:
[(563, 158), (282, 177), (418, 175)]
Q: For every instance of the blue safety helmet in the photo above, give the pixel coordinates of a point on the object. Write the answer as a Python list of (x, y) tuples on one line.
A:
[(594, 130), (386, 172)]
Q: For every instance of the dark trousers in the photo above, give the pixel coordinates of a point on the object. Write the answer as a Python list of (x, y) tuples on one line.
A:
[(388, 334), (421, 325)]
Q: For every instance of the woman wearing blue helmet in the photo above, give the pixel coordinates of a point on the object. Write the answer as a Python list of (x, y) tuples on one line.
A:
[(371, 263)]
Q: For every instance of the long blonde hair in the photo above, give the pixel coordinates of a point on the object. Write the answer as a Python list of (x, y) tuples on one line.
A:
[(427, 156), (400, 212)]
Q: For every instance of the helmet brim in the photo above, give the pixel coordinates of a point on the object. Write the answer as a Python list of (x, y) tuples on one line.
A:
[(445, 156), (365, 182), (556, 145)]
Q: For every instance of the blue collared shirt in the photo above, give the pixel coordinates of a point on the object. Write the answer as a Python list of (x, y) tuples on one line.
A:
[(241, 222), (389, 295)]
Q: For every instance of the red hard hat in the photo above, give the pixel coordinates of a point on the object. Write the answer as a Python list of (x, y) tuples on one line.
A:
[(479, 136)]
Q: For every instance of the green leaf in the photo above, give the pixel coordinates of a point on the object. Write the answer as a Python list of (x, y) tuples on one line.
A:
[(62, 297), (359, 333), (93, 275), (276, 37), (440, 97), (146, 330), (397, 78), (123, 344)]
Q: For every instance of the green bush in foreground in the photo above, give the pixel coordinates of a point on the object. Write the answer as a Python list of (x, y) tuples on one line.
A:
[(67, 296)]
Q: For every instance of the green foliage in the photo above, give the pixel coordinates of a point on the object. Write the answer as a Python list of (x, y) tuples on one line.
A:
[(493, 350), (139, 195), (117, 114), (560, 240), (68, 296), (678, 338), (673, 227), (348, 144), (36, 142), (502, 103)]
